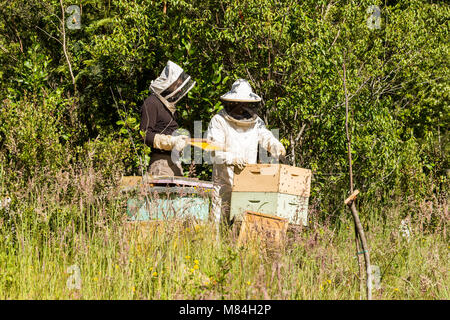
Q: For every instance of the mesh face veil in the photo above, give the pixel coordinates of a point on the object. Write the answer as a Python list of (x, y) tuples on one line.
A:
[(181, 91), (172, 85), (178, 89), (240, 110)]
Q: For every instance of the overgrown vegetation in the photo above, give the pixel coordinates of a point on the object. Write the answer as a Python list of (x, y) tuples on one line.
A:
[(69, 131)]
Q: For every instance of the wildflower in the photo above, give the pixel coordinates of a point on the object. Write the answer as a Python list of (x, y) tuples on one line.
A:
[(329, 281), (151, 269), (192, 270), (248, 282), (155, 274), (196, 261), (95, 279), (395, 289), (5, 202), (196, 267), (188, 257), (404, 229), (133, 289), (131, 260), (117, 266), (206, 283)]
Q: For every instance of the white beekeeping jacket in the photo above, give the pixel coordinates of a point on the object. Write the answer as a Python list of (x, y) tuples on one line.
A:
[(239, 138)]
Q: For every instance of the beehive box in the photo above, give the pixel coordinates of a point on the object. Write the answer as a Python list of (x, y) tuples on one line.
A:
[(163, 203), (291, 207), (165, 198), (269, 229), (273, 178)]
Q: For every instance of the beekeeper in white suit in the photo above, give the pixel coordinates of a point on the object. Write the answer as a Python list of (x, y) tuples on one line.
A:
[(158, 120), (238, 130)]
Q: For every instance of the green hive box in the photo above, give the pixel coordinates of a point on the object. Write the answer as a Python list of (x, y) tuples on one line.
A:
[(162, 203), (293, 208), (274, 189)]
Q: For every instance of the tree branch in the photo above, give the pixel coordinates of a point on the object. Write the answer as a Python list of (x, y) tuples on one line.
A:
[(63, 31), (359, 231)]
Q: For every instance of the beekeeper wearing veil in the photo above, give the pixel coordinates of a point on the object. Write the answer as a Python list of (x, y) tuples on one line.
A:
[(238, 130)]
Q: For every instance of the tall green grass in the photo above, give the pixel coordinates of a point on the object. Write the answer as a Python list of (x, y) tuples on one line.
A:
[(68, 221)]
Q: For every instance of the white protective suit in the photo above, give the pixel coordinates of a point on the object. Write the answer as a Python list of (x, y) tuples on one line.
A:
[(239, 140)]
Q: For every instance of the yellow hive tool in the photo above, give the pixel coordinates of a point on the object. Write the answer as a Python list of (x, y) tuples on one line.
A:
[(204, 144)]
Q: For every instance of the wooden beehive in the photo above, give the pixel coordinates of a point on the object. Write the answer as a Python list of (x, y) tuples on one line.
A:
[(269, 229), (291, 207), (278, 178), (164, 198)]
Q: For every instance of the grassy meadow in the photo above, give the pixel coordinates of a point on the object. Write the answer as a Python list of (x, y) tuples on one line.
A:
[(365, 80), (46, 229)]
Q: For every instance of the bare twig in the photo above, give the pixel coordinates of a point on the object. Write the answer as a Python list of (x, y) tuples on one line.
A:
[(5, 50), (63, 31), (352, 197), (334, 41), (297, 138), (50, 36), (351, 203)]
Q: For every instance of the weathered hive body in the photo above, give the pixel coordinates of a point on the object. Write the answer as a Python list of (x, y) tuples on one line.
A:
[(165, 198), (269, 228), (273, 189)]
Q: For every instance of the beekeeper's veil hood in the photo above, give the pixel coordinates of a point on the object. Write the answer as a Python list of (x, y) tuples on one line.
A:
[(240, 102), (172, 85)]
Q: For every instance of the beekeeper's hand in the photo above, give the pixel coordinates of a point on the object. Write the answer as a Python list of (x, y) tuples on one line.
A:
[(166, 142), (277, 150), (239, 163), (179, 142)]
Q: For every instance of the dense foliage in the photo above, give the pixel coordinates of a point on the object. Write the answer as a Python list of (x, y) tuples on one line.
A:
[(69, 121), (73, 95)]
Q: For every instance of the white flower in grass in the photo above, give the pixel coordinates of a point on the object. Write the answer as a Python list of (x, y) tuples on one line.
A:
[(404, 229), (5, 202)]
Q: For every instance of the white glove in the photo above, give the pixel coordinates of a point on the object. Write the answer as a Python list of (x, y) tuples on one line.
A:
[(179, 142), (166, 142), (277, 150), (239, 163)]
